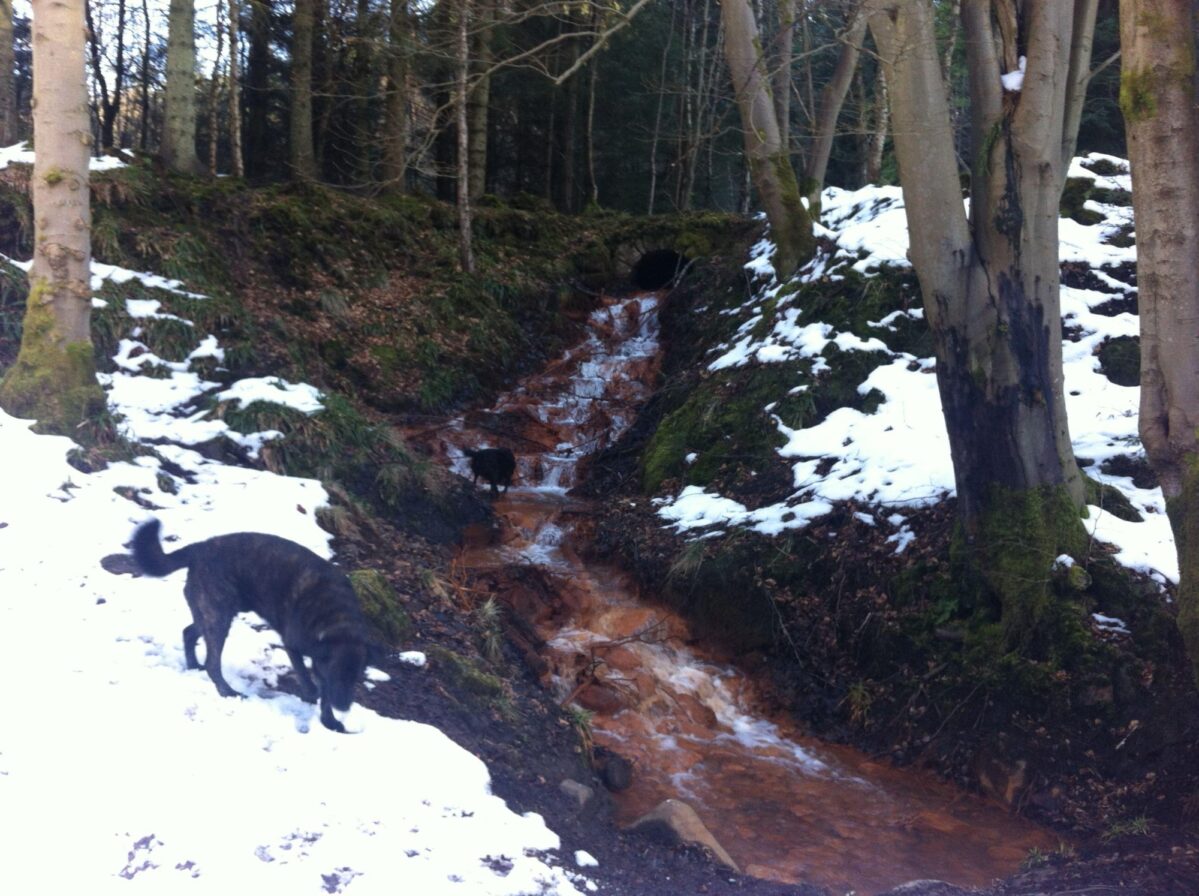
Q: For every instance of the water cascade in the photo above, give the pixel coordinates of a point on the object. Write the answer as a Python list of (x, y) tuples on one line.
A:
[(785, 806)]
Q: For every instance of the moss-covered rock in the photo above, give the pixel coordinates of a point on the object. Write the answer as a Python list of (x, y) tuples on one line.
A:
[(1120, 360), (467, 677)]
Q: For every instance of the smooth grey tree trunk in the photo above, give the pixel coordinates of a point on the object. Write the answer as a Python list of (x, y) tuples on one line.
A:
[(990, 280), (1157, 96), (769, 164)]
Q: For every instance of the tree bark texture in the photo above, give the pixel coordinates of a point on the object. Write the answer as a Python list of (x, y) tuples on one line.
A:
[(832, 99), (178, 149), (990, 280), (234, 24), (466, 252), (395, 139), (8, 87), (1157, 96), (303, 153), (769, 164), (479, 101), (53, 378)]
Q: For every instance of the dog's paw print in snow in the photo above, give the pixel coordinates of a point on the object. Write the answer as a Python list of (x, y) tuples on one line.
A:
[(336, 881), (139, 857), (294, 845)]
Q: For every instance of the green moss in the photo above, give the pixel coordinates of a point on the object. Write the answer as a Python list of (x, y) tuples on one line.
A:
[(1183, 510), (51, 381), (381, 605), (1011, 555), (1074, 197), (725, 422), (1120, 360), (467, 678), (1138, 91), (1110, 499), (717, 585)]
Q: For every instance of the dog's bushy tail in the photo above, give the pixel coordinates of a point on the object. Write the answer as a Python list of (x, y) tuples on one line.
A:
[(148, 553)]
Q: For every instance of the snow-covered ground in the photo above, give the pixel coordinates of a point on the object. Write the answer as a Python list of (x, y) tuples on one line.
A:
[(870, 231), (121, 771)]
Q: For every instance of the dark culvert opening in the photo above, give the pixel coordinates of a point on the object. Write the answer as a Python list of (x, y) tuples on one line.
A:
[(657, 269)]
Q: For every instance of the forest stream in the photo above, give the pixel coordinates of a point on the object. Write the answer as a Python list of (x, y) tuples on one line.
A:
[(785, 806)]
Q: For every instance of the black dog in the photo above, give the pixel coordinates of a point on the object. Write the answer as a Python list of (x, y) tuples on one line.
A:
[(496, 465), (305, 598)]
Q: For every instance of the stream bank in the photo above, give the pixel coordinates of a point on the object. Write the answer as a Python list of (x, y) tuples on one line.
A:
[(783, 805)]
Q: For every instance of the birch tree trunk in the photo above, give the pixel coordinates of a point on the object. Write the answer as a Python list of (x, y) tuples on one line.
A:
[(303, 153), (54, 376), (990, 281), (769, 165), (1157, 96), (178, 149)]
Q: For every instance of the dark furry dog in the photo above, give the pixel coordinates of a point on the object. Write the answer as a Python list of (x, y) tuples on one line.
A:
[(496, 465), (305, 598)]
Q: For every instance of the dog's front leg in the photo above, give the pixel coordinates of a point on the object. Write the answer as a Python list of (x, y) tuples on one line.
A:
[(307, 685), (329, 720)]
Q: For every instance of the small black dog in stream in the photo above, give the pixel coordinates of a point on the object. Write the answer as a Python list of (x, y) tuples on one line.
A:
[(496, 465), (305, 598)]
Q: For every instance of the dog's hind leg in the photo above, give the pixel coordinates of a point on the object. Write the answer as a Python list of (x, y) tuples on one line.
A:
[(214, 641), (191, 634)]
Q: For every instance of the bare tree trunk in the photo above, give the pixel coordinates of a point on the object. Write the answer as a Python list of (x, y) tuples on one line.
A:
[(592, 185), (479, 102), (782, 74), (214, 92), (466, 252), (395, 140), (143, 137), (991, 282), (8, 86), (54, 376), (303, 155), (257, 140), (1157, 96), (110, 101), (239, 164), (876, 140), (832, 98), (769, 165), (178, 149), (653, 147)]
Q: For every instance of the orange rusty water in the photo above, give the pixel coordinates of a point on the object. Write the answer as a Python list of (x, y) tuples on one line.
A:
[(785, 806)]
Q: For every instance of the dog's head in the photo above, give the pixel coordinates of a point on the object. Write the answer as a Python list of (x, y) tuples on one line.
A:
[(338, 662)]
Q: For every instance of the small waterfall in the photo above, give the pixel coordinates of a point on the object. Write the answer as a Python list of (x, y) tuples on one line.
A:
[(786, 806)]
